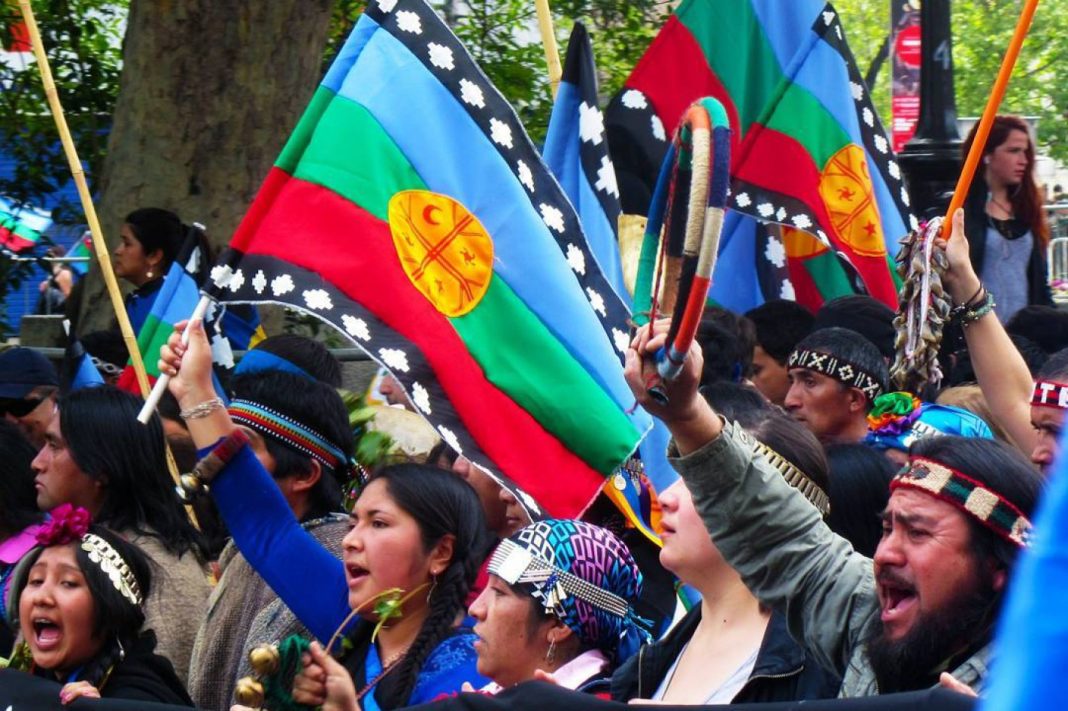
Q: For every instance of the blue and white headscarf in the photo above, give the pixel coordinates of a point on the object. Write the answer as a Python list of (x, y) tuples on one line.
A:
[(583, 575)]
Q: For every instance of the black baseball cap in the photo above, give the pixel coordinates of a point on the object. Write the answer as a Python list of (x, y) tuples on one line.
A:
[(22, 370)]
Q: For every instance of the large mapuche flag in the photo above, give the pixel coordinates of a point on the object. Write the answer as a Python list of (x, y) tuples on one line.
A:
[(410, 211), (809, 151)]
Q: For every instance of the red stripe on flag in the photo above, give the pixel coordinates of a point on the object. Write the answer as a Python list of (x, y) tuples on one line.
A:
[(316, 229), (672, 92), (778, 163)]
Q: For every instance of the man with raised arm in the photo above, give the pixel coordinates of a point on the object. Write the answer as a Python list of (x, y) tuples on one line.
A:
[(924, 608)]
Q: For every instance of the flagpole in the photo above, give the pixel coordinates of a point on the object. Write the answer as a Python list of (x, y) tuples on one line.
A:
[(99, 246), (78, 174), (152, 401), (548, 38), (989, 113)]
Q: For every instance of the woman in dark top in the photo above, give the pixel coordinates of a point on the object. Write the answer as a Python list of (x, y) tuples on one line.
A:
[(79, 595), (1003, 215)]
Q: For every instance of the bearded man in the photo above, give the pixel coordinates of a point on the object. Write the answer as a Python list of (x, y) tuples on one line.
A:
[(925, 606)]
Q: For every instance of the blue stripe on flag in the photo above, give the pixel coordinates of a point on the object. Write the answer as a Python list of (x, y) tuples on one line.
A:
[(453, 156)]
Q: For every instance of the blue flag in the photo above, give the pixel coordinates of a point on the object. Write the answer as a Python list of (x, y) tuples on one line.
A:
[(1032, 637), (576, 151)]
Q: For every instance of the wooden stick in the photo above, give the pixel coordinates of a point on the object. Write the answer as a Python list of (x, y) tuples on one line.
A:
[(989, 113), (99, 246), (548, 38)]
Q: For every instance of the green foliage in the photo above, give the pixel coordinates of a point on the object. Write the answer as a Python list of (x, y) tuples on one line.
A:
[(981, 33), (82, 39), (503, 37)]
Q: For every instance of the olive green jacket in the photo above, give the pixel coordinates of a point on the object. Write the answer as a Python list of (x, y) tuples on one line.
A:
[(791, 560)]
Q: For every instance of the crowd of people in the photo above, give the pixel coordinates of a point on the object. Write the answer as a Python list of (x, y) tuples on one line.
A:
[(828, 536)]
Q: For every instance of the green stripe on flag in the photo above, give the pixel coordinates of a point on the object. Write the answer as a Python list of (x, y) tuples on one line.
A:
[(829, 275), (745, 63), (538, 372), (349, 153), (381, 169), (154, 333)]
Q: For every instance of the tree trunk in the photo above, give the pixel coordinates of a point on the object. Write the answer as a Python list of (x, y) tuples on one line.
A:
[(210, 91)]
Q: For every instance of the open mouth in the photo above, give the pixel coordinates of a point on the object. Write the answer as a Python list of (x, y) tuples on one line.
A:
[(356, 573), (897, 599), (46, 633)]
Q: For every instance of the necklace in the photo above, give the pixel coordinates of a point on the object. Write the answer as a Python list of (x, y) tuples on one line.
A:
[(387, 667), (1007, 209)]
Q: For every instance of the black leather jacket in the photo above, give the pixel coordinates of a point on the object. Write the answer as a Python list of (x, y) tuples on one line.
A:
[(783, 671)]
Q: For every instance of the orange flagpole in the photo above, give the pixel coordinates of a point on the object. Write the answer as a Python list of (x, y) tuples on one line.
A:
[(991, 110)]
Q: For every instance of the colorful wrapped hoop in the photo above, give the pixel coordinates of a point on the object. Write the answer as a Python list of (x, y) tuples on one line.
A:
[(697, 164)]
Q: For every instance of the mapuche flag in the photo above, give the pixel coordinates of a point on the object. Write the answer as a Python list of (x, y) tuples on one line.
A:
[(410, 210), (809, 151)]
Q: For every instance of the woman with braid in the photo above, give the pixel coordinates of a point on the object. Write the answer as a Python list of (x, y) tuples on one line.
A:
[(77, 601), (416, 528)]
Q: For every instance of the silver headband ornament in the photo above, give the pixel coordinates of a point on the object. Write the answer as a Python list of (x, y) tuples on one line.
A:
[(515, 564), (108, 559)]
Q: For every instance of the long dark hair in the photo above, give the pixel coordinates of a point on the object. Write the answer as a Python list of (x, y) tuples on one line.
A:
[(116, 620), (156, 228), (442, 503), (1026, 201), (107, 442), (860, 488), (18, 498)]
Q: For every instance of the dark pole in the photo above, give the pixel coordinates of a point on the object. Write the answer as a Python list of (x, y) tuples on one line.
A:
[(931, 159)]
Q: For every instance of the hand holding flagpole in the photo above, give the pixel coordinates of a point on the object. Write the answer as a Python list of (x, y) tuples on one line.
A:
[(152, 401)]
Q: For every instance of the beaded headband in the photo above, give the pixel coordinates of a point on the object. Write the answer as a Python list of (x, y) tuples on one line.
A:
[(286, 430), (796, 478), (1050, 394), (970, 496), (104, 555), (515, 564), (841, 370)]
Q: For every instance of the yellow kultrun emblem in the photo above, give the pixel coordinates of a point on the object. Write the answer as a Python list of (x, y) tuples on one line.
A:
[(846, 190), (443, 248)]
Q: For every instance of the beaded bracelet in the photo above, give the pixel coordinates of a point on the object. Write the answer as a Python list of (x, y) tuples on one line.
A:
[(203, 409), (972, 314)]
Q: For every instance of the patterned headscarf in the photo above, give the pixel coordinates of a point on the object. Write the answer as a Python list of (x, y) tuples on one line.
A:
[(583, 575), (898, 419)]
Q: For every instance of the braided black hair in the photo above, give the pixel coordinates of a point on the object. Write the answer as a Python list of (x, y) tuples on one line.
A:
[(442, 504)]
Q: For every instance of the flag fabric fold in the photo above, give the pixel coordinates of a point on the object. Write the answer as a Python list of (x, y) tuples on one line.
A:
[(809, 151), (410, 211), (576, 151)]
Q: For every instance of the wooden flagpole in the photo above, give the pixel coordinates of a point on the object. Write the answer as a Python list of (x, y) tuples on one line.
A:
[(548, 38), (78, 174), (99, 246), (989, 113)]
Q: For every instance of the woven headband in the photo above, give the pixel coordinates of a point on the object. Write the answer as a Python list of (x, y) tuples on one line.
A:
[(515, 564), (104, 555), (970, 496), (841, 370), (796, 478), (1050, 394), (287, 431)]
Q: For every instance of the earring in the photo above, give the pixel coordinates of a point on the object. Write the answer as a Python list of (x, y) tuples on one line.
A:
[(550, 656), (986, 160), (149, 274), (433, 585)]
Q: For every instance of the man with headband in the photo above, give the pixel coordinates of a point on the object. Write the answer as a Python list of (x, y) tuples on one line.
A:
[(1048, 403), (835, 375), (924, 608), (284, 399)]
